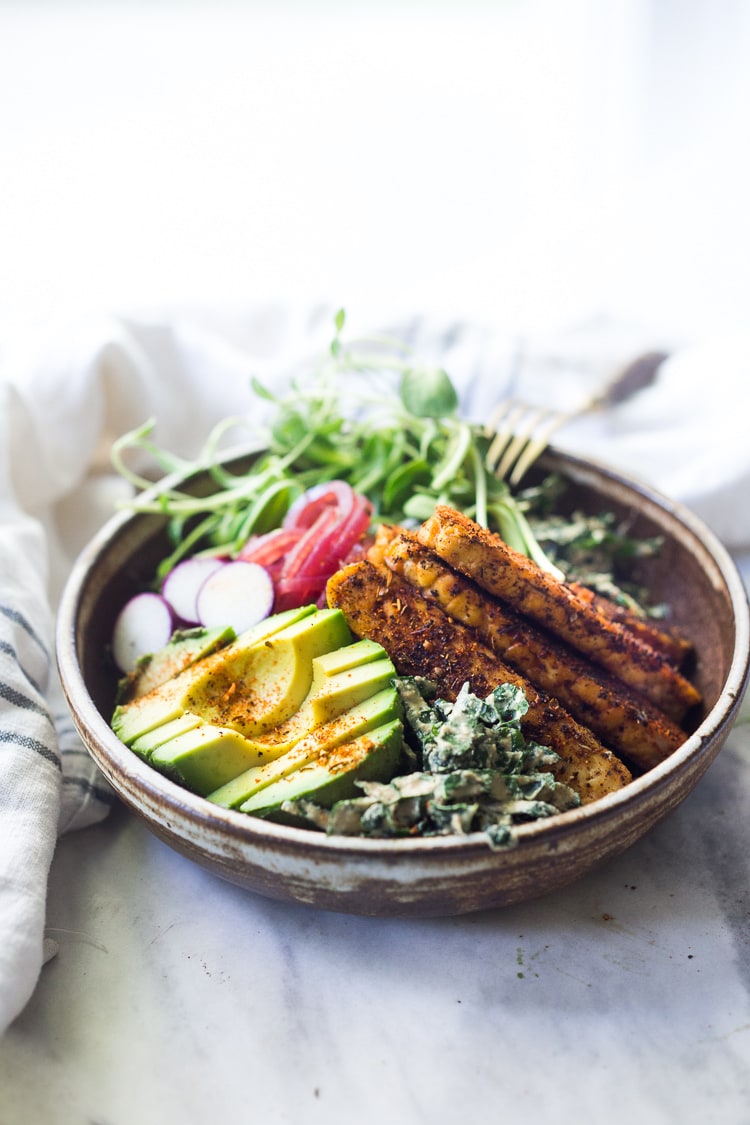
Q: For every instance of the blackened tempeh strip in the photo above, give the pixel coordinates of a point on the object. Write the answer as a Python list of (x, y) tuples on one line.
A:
[(422, 640), (628, 723), (674, 648), (498, 569)]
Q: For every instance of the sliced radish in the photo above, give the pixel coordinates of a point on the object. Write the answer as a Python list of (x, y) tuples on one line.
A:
[(307, 507), (180, 587), (143, 625), (305, 556), (270, 549), (239, 594)]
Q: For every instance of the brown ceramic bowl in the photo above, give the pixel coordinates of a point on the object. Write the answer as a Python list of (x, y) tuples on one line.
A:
[(433, 876)]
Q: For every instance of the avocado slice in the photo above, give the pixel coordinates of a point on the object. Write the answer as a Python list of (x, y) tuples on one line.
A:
[(253, 691), (152, 739), (185, 648), (205, 757), (382, 707), (170, 699), (347, 658), (344, 690), (332, 777), (329, 697)]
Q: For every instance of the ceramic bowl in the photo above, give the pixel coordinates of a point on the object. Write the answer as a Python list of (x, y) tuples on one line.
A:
[(433, 876)]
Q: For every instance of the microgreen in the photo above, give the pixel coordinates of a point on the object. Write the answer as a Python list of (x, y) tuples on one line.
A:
[(367, 413), (428, 393)]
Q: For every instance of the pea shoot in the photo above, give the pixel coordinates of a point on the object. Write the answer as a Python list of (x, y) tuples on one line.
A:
[(367, 414)]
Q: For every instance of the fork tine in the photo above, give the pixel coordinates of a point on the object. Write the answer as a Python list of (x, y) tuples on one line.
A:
[(506, 407), (521, 436), (504, 423), (523, 433), (535, 448)]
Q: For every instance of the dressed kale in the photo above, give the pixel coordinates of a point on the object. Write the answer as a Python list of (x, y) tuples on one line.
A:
[(474, 771)]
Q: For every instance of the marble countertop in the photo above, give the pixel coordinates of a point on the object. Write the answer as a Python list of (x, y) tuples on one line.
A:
[(176, 997)]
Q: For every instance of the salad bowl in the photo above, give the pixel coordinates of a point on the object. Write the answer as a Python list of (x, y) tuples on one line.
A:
[(437, 875)]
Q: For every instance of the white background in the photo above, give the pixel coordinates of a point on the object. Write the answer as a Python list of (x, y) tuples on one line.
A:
[(522, 162)]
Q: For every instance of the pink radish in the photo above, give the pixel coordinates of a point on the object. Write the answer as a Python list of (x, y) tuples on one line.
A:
[(180, 587), (143, 625), (239, 594)]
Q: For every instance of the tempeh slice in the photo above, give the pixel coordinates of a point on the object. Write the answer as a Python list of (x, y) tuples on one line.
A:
[(628, 723), (421, 640), (670, 644), (384, 536), (498, 569)]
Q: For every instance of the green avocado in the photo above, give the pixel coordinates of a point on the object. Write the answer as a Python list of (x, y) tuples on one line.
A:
[(205, 756), (153, 739), (331, 693), (344, 659), (345, 677), (333, 776), (381, 707), (185, 648), (254, 690), (274, 657)]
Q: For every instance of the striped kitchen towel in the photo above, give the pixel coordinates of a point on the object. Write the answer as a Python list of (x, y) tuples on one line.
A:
[(48, 783), (58, 414)]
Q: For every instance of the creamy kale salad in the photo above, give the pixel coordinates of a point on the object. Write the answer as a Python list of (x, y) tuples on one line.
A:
[(473, 771)]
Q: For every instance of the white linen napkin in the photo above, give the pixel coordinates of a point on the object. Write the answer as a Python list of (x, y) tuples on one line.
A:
[(59, 411), (61, 407)]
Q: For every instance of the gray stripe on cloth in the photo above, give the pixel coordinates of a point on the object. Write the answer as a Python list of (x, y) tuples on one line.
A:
[(15, 738), (19, 619), (7, 648)]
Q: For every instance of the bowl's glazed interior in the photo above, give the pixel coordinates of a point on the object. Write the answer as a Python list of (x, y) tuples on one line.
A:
[(693, 574)]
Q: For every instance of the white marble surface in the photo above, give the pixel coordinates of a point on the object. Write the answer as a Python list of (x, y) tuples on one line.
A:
[(524, 164), (175, 997)]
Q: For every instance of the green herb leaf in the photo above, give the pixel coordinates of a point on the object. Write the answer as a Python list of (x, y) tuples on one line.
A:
[(261, 390), (428, 393)]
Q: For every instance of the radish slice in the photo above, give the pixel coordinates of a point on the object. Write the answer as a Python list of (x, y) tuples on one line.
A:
[(306, 508), (270, 550), (143, 625), (180, 587), (239, 594)]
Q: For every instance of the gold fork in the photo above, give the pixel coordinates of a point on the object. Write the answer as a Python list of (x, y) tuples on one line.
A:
[(521, 432)]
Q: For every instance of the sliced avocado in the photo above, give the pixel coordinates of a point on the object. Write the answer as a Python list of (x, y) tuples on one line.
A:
[(205, 757), (380, 708), (255, 690), (329, 697), (168, 700), (185, 648), (152, 739), (344, 659), (332, 777), (341, 692)]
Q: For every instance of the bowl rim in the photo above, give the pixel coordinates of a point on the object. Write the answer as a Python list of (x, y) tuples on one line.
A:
[(243, 829)]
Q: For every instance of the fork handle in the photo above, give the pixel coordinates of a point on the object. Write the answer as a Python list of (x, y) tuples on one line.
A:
[(635, 376)]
